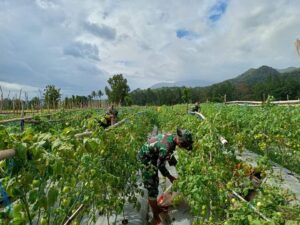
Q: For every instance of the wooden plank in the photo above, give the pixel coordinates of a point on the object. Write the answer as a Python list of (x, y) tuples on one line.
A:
[(244, 102), (287, 102), (15, 119), (8, 153)]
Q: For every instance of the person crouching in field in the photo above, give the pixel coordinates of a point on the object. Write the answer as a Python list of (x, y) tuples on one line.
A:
[(196, 107), (110, 117), (153, 156)]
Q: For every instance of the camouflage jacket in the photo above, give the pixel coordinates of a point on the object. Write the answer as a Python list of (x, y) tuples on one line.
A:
[(112, 112), (157, 150), (105, 121), (195, 108)]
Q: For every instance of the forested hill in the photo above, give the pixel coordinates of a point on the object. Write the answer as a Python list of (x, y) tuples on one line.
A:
[(254, 84)]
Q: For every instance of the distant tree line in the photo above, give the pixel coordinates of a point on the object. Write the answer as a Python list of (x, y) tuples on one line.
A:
[(116, 91), (280, 87)]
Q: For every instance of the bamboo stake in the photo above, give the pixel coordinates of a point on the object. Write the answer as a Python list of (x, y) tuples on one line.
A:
[(116, 124), (88, 133), (251, 206), (221, 138), (73, 216)]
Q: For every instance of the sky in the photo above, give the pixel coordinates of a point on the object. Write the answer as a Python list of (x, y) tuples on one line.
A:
[(77, 45)]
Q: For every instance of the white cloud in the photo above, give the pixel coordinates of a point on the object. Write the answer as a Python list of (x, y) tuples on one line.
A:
[(61, 41), (12, 90)]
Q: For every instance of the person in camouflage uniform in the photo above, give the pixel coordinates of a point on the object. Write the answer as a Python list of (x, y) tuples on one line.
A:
[(110, 117), (196, 107), (153, 156)]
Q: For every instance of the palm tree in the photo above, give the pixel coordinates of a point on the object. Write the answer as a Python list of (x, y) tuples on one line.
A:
[(100, 94), (90, 99), (94, 94)]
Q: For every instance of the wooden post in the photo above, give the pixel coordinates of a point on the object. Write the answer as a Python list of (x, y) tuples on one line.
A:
[(8, 101), (225, 98), (20, 101), (22, 122), (13, 102)]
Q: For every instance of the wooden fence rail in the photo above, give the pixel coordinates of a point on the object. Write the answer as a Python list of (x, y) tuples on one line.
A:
[(289, 102)]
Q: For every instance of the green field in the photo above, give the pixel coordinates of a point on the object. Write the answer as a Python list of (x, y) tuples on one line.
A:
[(53, 172)]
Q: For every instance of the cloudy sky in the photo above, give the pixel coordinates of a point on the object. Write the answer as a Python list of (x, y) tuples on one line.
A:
[(77, 45)]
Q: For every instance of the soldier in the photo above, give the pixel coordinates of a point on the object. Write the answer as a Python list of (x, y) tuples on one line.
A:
[(153, 156), (113, 113), (196, 107), (110, 117)]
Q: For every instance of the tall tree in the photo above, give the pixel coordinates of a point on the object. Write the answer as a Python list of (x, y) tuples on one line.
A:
[(52, 96), (118, 89), (35, 102), (186, 96), (100, 94), (93, 94)]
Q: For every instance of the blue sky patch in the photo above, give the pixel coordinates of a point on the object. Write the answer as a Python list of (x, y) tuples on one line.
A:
[(217, 11), (183, 33)]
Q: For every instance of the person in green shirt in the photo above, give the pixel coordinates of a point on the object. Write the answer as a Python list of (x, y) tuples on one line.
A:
[(153, 156)]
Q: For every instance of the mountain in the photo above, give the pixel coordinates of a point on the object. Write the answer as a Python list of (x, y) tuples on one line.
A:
[(163, 84), (253, 76), (186, 83), (254, 84), (250, 78), (288, 69)]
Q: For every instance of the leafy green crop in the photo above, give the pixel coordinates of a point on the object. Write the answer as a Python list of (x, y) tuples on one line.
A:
[(53, 172)]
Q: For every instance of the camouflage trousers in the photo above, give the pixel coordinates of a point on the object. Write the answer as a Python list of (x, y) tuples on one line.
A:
[(150, 179)]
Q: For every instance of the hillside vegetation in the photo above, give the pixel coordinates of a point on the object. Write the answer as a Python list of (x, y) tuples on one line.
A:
[(254, 84)]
